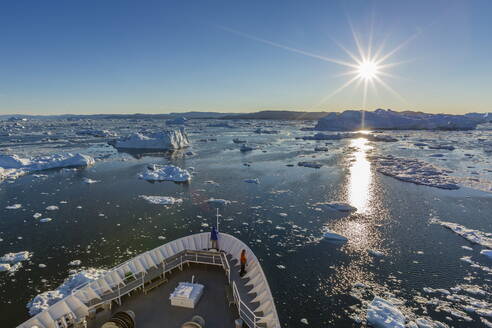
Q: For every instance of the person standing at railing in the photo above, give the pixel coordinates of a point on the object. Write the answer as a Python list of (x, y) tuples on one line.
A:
[(214, 238), (243, 261)]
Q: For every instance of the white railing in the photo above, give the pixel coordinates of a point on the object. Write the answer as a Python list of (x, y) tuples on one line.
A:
[(249, 317), (138, 281)]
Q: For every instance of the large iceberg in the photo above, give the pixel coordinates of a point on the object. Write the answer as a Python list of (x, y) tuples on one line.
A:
[(166, 140), (13, 166), (352, 120)]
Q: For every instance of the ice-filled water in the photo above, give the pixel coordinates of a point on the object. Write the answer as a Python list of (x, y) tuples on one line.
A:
[(396, 260)]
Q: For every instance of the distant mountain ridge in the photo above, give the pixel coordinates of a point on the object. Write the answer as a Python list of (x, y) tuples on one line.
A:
[(339, 120)]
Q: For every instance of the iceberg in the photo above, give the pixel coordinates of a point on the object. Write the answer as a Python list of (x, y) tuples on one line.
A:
[(166, 140), (165, 173), (352, 120), (13, 166)]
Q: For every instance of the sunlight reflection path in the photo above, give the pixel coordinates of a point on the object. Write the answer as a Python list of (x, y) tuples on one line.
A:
[(360, 178)]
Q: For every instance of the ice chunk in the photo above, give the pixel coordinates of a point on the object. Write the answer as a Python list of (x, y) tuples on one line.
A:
[(13, 207), (16, 257), (330, 235), (75, 263), (238, 141), (161, 200), (217, 201), (255, 181), (338, 206), (89, 180), (166, 140), (52, 208), (383, 314), (165, 173), (486, 252), (314, 165)]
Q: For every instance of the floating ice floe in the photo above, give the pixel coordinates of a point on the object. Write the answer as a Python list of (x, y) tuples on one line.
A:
[(44, 300), (37, 215), (166, 140), (165, 173), (414, 171), (89, 180), (52, 208), (13, 207), (330, 235), (474, 236), (75, 263), (13, 166), (238, 141), (254, 181), (486, 252), (383, 314), (44, 220), (11, 262), (161, 200), (314, 165), (218, 201), (338, 206)]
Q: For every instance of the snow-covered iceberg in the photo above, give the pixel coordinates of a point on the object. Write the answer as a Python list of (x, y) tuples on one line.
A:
[(165, 173), (12, 166), (352, 120), (166, 140)]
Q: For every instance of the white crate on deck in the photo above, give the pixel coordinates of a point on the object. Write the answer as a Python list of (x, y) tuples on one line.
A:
[(186, 294)]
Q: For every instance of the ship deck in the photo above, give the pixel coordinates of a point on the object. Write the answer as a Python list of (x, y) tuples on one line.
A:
[(153, 308)]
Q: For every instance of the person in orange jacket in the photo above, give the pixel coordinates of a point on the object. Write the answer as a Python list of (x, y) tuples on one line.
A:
[(243, 262)]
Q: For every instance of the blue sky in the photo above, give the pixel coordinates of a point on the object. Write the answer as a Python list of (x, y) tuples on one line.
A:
[(166, 56)]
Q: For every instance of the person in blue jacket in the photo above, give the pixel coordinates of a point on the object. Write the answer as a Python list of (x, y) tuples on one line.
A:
[(214, 237)]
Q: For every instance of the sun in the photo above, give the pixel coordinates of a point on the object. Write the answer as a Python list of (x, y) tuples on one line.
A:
[(368, 70)]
